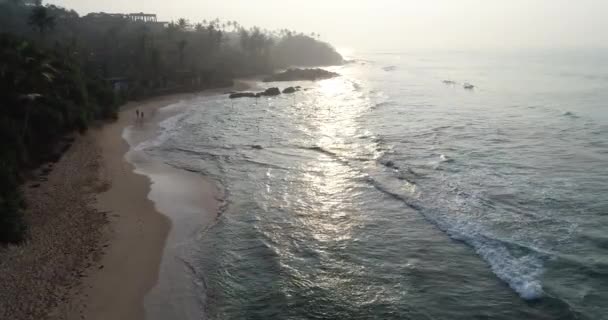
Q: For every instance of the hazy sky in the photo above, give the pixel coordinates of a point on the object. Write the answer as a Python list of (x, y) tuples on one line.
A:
[(390, 25)]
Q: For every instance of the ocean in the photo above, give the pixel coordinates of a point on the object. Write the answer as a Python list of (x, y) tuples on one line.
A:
[(386, 193)]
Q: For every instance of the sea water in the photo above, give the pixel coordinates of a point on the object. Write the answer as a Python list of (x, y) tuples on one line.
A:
[(387, 193)]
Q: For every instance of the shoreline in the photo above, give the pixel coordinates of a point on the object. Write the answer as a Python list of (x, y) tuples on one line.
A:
[(137, 231), (147, 200), (101, 221)]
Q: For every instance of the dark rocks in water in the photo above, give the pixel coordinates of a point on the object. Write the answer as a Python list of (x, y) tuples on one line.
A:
[(271, 92), (242, 95), (274, 91), (301, 75), (390, 68), (290, 90), (34, 186), (391, 164), (257, 146)]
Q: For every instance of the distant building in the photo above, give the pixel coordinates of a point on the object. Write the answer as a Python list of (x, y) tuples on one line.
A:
[(146, 18), (143, 17), (136, 17)]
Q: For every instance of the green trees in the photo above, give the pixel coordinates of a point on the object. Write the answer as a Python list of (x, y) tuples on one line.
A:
[(302, 50), (181, 46), (41, 19), (183, 24), (43, 95), (57, 72)]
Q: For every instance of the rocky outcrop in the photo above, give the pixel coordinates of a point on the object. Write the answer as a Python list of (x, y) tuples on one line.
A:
[(266, 93), (289, 90), (242, 95), (271, 92), (301, 75)]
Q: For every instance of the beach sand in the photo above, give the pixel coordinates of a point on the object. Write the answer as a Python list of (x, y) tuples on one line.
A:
[(142, 197), (65, 235), (102, 221)]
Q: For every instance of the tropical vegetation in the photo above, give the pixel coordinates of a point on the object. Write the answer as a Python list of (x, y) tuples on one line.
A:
[(60, 71)]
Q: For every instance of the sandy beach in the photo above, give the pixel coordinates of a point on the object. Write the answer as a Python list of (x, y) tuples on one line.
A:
[(137, 233), (66, 235), (98, 227), (144, 201)]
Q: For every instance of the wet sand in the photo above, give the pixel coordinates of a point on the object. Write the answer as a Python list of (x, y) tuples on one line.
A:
[(147, 203), (106, 224)]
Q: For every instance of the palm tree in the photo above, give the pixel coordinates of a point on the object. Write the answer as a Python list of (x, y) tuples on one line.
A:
[(181, 46), (171, 30), (41, 19), (183, 24), (26, 69)]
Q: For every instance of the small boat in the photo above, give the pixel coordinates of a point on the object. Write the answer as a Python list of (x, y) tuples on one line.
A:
[(468, 86)]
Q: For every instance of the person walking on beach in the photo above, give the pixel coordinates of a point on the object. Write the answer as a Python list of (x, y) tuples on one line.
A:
[(137, 113)]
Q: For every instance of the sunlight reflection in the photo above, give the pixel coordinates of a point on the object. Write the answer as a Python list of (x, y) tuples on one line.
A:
[(331, 218), (333, 86)]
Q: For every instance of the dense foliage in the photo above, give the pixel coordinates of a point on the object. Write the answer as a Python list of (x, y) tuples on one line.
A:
[(60, 71), (43, 95)]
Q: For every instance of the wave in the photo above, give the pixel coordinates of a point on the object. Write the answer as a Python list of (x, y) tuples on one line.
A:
[(322, 150), (569, 114), (444, 158), (522, 272), (518, 265), (167, 128), (381, 104)]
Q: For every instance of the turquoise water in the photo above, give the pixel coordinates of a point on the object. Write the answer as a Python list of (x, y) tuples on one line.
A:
[(387, 194)]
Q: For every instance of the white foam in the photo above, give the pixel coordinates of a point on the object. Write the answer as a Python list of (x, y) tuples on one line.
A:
[(521, 271), (167, 128), (522, 274)]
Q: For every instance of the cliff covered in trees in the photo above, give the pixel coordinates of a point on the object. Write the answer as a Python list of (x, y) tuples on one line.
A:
[(60, 71)]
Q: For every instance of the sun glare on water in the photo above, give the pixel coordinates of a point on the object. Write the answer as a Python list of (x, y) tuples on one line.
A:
[(332, 87)]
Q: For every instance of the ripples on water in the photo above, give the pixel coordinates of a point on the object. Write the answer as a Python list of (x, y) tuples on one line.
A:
[(390, 195)]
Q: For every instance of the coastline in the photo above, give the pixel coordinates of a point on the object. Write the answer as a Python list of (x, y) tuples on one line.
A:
[(99, 225), (101, 219), (147, 201), (137, 231)]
